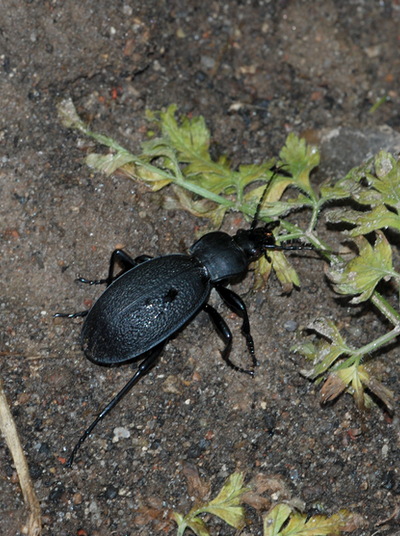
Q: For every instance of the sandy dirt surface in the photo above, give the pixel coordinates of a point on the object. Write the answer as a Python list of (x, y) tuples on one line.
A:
[(295, 66)]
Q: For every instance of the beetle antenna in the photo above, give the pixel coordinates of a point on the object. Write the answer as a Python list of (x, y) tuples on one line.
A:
[(254, 223), (290, 247)]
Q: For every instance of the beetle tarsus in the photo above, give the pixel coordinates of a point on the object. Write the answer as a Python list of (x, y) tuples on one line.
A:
[(91, 281), (71, 315)]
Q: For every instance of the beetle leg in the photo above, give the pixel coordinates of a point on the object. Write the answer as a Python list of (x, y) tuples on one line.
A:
[(142, 258), (225, 333), (123, 259), (142, 370), (237, 305), (71, 315)]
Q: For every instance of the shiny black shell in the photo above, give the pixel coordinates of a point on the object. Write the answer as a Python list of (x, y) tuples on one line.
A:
[(144, 307)]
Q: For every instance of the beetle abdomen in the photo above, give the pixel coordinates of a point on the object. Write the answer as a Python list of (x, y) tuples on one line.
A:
[(144, 307)]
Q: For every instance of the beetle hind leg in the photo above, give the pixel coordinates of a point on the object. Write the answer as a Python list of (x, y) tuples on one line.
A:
[(143, 369), (225, 333)]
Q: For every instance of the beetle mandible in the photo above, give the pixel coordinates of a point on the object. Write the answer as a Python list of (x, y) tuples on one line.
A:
[(153, 298)]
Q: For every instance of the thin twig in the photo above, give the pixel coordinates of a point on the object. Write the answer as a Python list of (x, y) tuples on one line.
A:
[(8, 428)]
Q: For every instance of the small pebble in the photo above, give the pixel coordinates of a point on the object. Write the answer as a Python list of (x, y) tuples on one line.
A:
[(111, 492), (77, 498), (290, 325), (120, 433)]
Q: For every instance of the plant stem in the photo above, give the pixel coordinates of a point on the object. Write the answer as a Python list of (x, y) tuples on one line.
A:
[(385, 308), (194, 188), (357, 355)]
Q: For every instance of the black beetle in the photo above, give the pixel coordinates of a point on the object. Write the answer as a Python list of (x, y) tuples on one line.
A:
[(153, 298)]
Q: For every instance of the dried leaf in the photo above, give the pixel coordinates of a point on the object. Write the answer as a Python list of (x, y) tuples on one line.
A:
[(332, 388), (196, 486), (381, 392), (256, 501)]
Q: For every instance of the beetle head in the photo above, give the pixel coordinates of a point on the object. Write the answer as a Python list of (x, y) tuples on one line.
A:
[(256, 242)]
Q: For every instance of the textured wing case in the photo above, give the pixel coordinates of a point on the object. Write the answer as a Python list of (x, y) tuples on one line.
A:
[(144, 307)]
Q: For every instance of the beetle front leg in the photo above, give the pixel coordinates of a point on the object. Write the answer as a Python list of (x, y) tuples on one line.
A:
[(237, 305), (142, 370), (225, 333)]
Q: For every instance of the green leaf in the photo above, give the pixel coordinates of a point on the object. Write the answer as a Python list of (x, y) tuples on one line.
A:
[(227, 503), (347, 374), (262, 271), (201, 208), (375, 183), (276, 209), (366, 222), (354, 376), (387, 179), (225, 506), (326, 352), (275, 519), (252, 173), (361, 275), (283, 521), (346, 188), (285, 272), (275, 189), (195, 524), (108, 163), (300, 159), (318, 525), (190, 138), (335, 192)]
